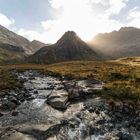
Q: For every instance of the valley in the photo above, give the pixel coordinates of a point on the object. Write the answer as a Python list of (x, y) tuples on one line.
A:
[(69, 69), (69, 90)]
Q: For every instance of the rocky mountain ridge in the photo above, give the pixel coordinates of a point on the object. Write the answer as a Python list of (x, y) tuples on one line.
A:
[(68, 48), (14, 48), (118, 44)]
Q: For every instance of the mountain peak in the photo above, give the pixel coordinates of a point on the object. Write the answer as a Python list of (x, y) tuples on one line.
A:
[(128, 28), (70, 33), (68, 37), (68, 48)]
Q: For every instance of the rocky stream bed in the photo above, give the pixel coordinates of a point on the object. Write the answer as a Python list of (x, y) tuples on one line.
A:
[(50, 108)]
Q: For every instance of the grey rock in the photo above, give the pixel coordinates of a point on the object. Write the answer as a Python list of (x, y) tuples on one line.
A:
[(125, 136), (58, 99)]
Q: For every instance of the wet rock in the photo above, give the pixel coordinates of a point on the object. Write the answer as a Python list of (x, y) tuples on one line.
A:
[(50, 87), (74, 93), (64, 121), (125, 136), (87, 118), (11, 98), (8, 106), (58, 99), (82, 88), (14, 100), (138, 112), (20, 97), (59, 87), (15, 113), (36, 92), (1, 114), (19, 136), (97, 104), (27, 95), (31, 98)]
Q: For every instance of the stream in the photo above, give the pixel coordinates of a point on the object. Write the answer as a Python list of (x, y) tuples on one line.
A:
[(50, 108)]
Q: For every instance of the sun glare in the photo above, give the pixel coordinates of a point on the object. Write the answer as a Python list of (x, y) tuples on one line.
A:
[(76, 16)]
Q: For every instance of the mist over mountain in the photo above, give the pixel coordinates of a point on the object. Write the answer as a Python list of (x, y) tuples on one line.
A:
[(69, 47), (118, 44)]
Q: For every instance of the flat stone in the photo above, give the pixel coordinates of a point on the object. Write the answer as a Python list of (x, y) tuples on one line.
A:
[(19, 136), (58, 99)]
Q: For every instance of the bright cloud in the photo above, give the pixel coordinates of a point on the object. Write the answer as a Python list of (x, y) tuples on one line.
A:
[(85, 17), (79, 16), (30, 34), (111, 6), (5, 21), (134, 17)]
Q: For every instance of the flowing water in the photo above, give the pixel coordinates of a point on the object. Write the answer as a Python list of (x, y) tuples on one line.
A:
[(84, 119)]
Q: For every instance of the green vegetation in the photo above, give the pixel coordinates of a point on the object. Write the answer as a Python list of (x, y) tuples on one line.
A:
[(121, 80)]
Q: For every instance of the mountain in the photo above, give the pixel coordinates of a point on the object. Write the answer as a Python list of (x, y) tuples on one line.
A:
[(35, 45), (11, 54), (117, 44), (14, 48), (69, 47), (11, 38)]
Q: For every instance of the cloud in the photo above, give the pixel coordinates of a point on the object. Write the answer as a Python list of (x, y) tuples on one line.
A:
[(134, 17), (111, 7), (116, 6), (30, 34), (5, 21), (45, 36), (81, 16)]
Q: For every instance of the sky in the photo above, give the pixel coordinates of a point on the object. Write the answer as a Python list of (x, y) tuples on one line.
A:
[(48, 20)]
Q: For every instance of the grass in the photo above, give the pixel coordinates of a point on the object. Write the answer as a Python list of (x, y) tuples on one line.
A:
[(8, 80), (121, 80)]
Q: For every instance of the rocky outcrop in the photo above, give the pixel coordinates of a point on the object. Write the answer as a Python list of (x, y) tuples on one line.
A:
[(58, 99), (86, 117)]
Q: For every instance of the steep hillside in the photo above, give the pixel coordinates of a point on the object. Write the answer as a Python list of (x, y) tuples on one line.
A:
[(14, 48), (117, 44), (11, 38), (11, 54), (35, 45), (68, 47)]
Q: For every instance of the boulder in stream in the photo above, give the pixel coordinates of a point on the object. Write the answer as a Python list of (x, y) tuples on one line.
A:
[(58, 99)]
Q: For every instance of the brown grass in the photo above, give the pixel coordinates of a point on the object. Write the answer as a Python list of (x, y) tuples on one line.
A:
[(121, 80)]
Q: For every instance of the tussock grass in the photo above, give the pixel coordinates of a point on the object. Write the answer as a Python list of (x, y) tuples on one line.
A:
[(121, 79)]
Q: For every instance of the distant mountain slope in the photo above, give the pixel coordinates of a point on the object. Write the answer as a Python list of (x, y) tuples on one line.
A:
[(35, 45), (14, 47), (68, 47), (117, 44), (11, 54), (11, 38)]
